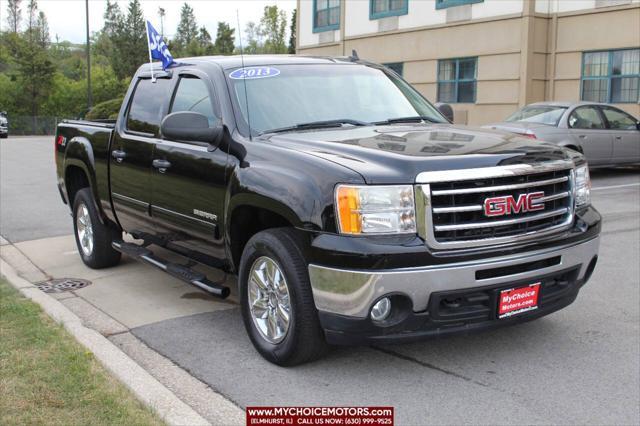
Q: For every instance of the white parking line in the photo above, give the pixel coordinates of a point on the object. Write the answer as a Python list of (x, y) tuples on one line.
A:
[(599, 188)]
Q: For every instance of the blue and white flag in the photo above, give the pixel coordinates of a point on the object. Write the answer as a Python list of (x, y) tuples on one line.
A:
[(158, 48)]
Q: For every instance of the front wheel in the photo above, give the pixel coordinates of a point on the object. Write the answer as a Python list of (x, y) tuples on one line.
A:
[(93, 238), (276, 299)]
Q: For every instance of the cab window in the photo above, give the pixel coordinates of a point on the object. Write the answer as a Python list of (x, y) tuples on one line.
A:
[(586, 118), (145, 112), (192, 95), (619, 120)]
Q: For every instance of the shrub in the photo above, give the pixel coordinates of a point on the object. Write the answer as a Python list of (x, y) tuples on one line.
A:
[(105, 110)]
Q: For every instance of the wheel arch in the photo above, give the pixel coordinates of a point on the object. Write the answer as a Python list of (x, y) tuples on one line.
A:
[(79, 172), (249, 214)]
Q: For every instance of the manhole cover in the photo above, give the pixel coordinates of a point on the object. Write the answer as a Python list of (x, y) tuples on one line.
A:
[(59, 285)]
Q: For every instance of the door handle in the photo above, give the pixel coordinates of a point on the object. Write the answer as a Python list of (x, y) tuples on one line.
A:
[(161, 165), (582, 136), (118, 155), (618, 137)]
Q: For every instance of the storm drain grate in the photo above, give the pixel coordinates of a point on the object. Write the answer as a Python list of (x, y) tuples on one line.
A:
[(60, 285)]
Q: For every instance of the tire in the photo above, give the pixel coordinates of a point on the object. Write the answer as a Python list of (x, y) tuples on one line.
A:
[(5, 136), (304, 339), (95, 249)]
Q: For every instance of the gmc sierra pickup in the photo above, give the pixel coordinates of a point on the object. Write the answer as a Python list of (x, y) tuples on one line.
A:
[(350, 208)]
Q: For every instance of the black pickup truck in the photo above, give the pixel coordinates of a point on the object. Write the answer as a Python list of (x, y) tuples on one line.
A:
[(350, 208)]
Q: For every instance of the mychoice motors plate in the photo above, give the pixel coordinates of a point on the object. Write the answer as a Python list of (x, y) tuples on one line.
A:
[(517, 300)]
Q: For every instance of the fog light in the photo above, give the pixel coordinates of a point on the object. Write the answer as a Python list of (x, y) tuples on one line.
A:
[(381, 309)]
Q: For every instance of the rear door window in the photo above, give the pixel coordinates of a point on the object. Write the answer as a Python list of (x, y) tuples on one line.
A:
[(619, 120), (145, 112)]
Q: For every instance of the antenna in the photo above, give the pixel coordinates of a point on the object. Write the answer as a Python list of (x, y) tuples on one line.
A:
[(244, 76)]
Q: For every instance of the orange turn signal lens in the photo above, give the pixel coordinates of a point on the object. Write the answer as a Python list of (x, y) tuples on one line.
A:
[(348, 210)]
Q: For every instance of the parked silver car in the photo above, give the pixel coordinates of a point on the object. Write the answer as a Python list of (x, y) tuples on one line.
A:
[(4, 125), (606, 135)]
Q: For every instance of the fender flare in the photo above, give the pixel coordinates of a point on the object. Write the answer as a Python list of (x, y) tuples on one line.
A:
[(79, 153), (263, 202)]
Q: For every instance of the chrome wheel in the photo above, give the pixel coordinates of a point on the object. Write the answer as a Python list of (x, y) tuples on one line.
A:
[(269, 301), (84, 229)]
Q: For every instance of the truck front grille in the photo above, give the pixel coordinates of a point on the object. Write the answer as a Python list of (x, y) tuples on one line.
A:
[(455, 206)]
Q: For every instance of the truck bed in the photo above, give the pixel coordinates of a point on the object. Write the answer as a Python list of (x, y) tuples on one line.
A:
[(86, 144), (97, 123)]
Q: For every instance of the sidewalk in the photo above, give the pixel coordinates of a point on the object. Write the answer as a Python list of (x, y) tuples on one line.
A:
[(172, 392)]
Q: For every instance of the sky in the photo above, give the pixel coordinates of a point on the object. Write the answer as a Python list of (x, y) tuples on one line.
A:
[(67, 17)]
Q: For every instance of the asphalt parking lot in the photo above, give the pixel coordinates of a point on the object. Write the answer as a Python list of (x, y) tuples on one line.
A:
[(580, 365)]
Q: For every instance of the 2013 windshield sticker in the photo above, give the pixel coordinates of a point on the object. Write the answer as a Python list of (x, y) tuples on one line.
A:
[(254, 72)]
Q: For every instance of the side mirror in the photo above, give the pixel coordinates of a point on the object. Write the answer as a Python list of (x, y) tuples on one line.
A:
[(190, 127), (446, 110)]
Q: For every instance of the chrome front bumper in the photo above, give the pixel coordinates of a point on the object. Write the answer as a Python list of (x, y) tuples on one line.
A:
[(352, 292)]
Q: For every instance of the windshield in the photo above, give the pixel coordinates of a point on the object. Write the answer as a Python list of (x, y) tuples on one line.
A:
[(281, 96), (543, 114)]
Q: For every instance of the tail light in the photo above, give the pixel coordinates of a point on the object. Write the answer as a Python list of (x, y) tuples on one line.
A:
[(59, 142)]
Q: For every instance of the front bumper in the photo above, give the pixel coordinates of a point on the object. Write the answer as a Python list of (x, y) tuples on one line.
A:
[(344, 297)]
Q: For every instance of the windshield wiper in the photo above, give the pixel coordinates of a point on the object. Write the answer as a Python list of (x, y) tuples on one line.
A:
[(318, 125), (412, 119)]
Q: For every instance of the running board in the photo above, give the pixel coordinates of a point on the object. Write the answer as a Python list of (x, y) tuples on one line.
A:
[(181, 272)]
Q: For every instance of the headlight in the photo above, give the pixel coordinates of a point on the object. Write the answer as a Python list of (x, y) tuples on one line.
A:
[(375, 209), (583, 186)]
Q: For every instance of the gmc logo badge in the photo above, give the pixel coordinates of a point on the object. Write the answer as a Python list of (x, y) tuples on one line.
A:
[(501, 206)]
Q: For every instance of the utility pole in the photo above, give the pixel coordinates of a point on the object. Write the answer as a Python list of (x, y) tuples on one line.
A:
[(89, 95), (161, 13)]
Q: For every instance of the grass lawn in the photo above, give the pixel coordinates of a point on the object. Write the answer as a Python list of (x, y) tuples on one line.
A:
[(46, 377)]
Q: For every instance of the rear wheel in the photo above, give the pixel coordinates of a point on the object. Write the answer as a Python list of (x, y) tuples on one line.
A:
[(276, 299), (93, 238)]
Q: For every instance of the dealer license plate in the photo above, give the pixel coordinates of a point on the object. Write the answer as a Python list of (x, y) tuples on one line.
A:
[(518, 300)]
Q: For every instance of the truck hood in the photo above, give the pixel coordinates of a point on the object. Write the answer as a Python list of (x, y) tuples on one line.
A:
[(396, 154)]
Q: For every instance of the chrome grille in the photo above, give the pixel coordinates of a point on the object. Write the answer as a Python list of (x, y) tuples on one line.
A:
[(453, 204)]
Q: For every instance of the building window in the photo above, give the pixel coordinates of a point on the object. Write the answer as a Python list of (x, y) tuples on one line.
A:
[(611, 76), (397, 67), (326, 15), (457, 80), (383, 8), (443, 4)]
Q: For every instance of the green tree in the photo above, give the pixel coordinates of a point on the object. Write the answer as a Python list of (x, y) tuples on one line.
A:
[(253, 42), (113, 19), (130, 42), (187, 31), (273, 25), (204, 44), (34, 65), (105, 40), (14, 15), (32, 18), (42, 26), (225, 39), (292, 32)]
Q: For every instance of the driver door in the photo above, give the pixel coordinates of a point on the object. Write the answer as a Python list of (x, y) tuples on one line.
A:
[(188, 178), (626, 135)]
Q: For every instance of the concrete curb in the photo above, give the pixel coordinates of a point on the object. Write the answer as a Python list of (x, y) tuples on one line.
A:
[(144, 386)]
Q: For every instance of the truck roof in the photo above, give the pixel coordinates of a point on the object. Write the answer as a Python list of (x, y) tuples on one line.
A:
[(235, 61)]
